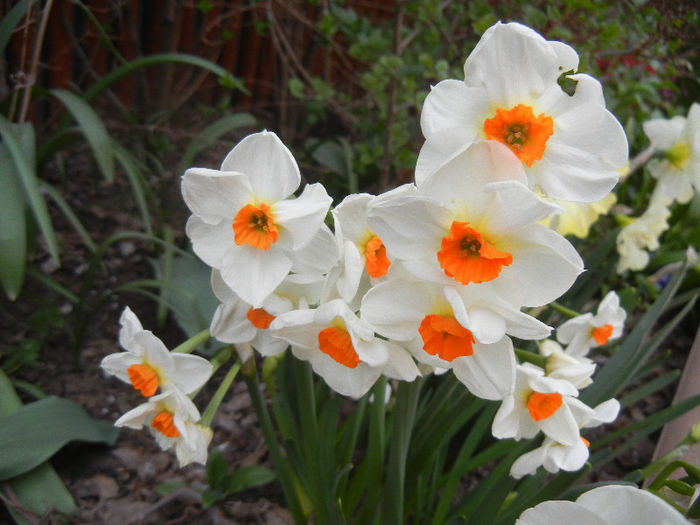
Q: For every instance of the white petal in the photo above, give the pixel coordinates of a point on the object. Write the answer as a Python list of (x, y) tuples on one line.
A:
[(214, 195), (129, 325), (302, 217), (210, 242), (400, 364), (545, 262), (118, 364), (628, 505), (452, 105), (561, 426), (396, 308), (190, 372), (489, 372), (353, 265), (528, 463), (410, 227), (555, 512), (350, 217), (254, 274), (664, 133), (318, 256), (230, 323), (269, 165)]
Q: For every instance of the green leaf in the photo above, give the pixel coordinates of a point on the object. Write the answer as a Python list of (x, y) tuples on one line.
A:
[(13, 227), (248, 477), (40, 489), (93, 130), (212, 133), (37, 431), (216, 469), (19, 143)]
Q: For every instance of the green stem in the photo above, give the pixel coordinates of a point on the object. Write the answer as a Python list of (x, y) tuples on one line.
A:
[(531, 357), (563, 309), (690, 469), (401, 431), (213, 405), (193, 342), (282, 465)]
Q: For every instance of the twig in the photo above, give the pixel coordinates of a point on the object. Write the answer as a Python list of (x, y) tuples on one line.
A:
[(385, 174), (41, 32), (641, 159)]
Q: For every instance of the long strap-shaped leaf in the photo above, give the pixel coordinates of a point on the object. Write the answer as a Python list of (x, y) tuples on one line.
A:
[(30, 183)]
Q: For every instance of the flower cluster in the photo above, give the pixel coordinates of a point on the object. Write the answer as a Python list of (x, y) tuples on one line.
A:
[(150, 367), (677, 170), (431, 276)]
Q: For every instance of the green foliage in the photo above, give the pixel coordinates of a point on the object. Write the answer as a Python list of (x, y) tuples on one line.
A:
[(223, 483)]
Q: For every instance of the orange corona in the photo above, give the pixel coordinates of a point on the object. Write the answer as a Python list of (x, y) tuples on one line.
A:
[(601, 334), (163, 423), (254, 225), (467, 257), (337, 343), (375, 254), (143, 378), (259, 318), (444, 337), (524, 133), (541, 406)]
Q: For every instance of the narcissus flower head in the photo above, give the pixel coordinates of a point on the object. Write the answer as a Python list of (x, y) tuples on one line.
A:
[(342, 348), (589, 331), (473, 223), (243, 222), (678, 140), (148, 365), (571, 146), (172, 419), (642, 234)]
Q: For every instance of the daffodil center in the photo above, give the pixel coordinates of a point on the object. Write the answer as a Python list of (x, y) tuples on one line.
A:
[(525, 133), (254, 225), (679, 154)]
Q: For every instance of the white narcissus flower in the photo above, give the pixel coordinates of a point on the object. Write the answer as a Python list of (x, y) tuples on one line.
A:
[(606, 505), (643, 234), (364, 252), (577, 370), (343, 348), (474, 222), (172, 419), (537, 403), (448, 328), (554, 456), (570, 145), (587, 331), (243, 222), (147, 364), (678, 172), (578, 217)]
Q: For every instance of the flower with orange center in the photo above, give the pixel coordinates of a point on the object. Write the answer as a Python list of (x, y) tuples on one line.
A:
[(336, 342), (375, 254), (540, 402), (148, 365), (253, 194), (444, 337), (260, 318), (254, 225), (524, 133), (541, 406), (570, 145), (172, 419), (468, 258), (342, 347), (164, 423), (587, 331)]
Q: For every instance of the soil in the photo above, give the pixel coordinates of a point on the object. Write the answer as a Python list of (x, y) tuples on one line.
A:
[(135, 482)]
